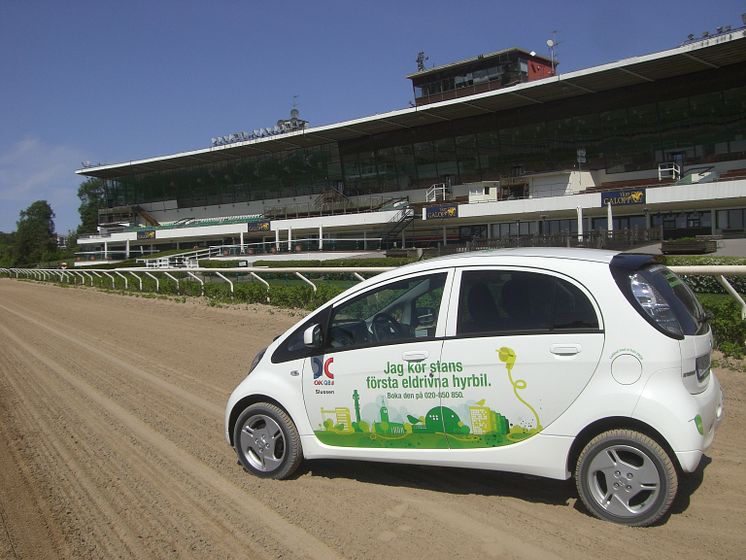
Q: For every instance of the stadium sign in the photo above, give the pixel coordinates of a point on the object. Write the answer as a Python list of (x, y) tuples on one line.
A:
[(259, 226), (148, 234), (623, 198), (282, 127), (442, 211)]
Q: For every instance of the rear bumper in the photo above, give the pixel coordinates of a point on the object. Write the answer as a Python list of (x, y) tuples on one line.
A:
[(687, 422), (710, 408)]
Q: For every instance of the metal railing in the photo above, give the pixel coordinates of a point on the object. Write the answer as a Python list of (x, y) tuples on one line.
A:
[(669, 170), (619, 239), (302, 245), (91, 276), (435, 191), (123, 276)]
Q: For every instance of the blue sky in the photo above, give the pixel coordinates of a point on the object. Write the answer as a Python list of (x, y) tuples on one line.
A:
[(107, 82)]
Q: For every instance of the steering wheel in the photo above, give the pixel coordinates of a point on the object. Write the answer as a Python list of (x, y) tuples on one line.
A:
[(385, 327), (341, 338)]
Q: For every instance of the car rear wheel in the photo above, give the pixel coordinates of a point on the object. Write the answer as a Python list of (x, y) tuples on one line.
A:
[(626, 477), (267, 442)]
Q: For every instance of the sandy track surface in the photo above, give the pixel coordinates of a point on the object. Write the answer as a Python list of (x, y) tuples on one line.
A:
[(111, 446)]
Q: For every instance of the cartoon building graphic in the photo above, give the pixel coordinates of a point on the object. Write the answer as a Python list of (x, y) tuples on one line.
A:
[(484, 420), (342, 418)]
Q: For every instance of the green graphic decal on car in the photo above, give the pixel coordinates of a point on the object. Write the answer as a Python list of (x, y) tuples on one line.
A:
[(507, 355), (440, 427)]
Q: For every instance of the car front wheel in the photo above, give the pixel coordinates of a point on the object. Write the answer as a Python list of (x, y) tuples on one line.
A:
[(267, 442), (626, 477)]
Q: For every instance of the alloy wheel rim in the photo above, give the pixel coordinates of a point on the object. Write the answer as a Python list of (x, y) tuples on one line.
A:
[(624, 481), (262, 443)]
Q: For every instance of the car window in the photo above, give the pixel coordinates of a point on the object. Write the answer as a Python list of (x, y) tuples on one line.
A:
[(505, 301), (293, 347), (398, 311)]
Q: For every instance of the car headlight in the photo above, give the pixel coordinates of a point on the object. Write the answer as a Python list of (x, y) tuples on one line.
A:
[(257, 359)]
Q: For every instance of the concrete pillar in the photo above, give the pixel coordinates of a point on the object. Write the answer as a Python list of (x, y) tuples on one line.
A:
[(609, 218), (277, 240), (445, 237), (106, 250), (321, 238), (580, 223), (127, 249), (242, 245), (290, 240), (403, 240), (713, 226)]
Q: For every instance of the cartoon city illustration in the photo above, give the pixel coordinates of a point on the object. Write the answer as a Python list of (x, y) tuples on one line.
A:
[(440, 427)]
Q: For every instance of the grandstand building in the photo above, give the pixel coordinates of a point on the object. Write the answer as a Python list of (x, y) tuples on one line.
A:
[(497, 149)]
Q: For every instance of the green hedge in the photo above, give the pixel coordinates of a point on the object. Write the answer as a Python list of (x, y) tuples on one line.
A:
[(296, 295), (207, 263), (379, 261), (727, 326)]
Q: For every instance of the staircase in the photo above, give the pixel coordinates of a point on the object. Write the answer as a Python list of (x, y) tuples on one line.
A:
[(331, 200), (398, 224), (146, 216)]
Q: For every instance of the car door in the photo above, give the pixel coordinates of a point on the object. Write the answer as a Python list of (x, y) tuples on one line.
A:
[(521, 345), (372, 386)]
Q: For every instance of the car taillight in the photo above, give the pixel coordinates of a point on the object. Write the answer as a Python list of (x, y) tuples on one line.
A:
[(655, 305)]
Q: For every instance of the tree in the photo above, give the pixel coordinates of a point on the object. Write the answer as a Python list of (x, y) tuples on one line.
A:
[(35, 240), (91, 194), (7, 241)]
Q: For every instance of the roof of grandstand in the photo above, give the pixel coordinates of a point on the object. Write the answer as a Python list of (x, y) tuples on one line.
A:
[(200, 222), (711, 53)]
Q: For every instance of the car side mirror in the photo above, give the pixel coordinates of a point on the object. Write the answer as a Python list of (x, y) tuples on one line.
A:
[(312, 336)]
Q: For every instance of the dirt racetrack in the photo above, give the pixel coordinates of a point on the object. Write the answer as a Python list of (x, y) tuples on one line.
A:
[(111, 446)]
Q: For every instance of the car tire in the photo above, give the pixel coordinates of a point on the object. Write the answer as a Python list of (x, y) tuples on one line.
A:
[(626, 477), (267, 442)]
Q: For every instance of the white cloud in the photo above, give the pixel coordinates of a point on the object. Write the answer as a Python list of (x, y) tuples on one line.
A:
[(32, 170)]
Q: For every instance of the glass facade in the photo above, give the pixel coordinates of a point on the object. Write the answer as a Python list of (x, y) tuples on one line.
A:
[(506, 73), (696, 129), (619, 223), (731, 220), (682, 220)]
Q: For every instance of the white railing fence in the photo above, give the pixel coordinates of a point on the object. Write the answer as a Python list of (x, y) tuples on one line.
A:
[(179, 275), (200, 274)]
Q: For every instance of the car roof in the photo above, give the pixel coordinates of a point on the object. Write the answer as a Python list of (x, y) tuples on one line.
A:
[(513, 256), (567, 253), (498, 256)]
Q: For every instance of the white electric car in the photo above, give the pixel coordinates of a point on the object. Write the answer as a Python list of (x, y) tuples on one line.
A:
[(550, 362)]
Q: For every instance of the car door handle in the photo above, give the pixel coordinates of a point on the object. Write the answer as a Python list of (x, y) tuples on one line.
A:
[(565, 349), (414, 356)]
